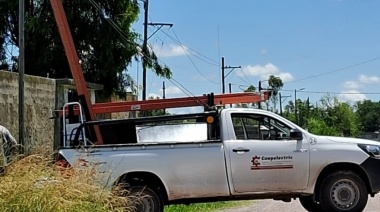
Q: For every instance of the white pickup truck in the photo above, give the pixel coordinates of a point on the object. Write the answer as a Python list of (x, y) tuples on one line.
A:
[(229, 154)]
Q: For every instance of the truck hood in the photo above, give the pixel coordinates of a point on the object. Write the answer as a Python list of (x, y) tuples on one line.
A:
[(350, 140)]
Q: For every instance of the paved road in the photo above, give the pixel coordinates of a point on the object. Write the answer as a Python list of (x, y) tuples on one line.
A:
[(294, 206)]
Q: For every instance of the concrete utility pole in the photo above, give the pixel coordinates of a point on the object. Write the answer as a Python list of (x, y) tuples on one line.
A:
[(21, 71), (145, 43), (230, 89), (224, 76), (281, 102), (295, 105), (163, 93)]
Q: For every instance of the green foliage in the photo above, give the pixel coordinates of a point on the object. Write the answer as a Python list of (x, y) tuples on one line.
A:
[(331, 117), (320, 127), (276, 84), (250, 88), (368, 114), (3, 64), (104, 52)]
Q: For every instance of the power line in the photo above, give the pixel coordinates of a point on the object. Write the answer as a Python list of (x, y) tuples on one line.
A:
[(336, 70), (114, 25), (212, 61), (246, 77), (186, 52), (192, 51), (196, 68), (334, 92), (351, 93), (184, 90)]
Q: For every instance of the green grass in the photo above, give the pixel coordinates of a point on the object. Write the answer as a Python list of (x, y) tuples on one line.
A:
[(203, 207)]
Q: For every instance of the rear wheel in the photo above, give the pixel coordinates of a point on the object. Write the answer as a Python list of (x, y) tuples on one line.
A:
[(343, 191), (145, 199), (309, 204)]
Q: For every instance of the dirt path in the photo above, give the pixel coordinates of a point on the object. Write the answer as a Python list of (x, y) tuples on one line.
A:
[(294, 206)]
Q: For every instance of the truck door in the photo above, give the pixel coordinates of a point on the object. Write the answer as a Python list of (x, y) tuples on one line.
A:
[(263, 157)]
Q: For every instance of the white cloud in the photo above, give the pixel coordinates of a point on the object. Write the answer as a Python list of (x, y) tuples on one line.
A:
[(170, 50), (368, 80), (172, 90), (263, 51), (362, 81), (154, 96), (352, 85), (352, 95), (285, 77), (265, 71)]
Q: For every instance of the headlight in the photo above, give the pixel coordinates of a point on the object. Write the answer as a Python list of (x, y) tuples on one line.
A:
[(372, 150)]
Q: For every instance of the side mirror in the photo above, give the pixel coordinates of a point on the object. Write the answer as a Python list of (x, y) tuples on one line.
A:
[(295, 134)]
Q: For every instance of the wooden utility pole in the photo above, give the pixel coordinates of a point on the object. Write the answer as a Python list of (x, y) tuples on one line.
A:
[(21, 71), (145, 48), (145, 44)]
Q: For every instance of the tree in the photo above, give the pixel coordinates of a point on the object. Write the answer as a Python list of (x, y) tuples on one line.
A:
[(102, 34), (368, 114), (3, 63), (276, 84), (250, 88), (332, 117), (320, 127)]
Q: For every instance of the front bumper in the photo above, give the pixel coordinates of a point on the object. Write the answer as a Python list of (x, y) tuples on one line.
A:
[(372, 168)]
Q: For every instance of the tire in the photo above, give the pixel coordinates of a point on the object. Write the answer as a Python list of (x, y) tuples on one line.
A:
[(309, 204), (343, 191), (145, 199)]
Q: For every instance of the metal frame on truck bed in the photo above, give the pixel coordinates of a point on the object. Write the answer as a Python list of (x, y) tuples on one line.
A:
[(90, 110)]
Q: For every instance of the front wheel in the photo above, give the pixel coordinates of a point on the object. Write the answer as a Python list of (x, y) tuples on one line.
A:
[(309, 204), (343, 191), (145, 199)]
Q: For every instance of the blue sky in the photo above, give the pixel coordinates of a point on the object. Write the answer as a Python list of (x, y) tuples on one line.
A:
[(321, 45)]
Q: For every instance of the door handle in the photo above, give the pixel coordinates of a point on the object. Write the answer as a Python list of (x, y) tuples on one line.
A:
[(301, 150), (240, 150)]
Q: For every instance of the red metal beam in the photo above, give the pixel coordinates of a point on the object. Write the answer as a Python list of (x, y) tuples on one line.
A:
[(73, 60), (125, 106)]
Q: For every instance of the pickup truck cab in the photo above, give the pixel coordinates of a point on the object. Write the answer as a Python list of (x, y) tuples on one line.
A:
[(229, 154)]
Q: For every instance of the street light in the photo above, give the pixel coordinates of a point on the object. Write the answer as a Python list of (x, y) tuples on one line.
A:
[(295, 104)]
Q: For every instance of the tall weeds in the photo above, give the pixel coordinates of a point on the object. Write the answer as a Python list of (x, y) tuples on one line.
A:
[(34, 183)]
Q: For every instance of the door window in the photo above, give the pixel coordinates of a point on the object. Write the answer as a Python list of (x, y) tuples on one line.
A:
[(258, 127)]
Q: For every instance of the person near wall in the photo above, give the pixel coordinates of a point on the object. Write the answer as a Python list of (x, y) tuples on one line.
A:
[(8, 147)]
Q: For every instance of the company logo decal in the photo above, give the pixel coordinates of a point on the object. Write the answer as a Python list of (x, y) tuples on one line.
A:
[(272, 162)]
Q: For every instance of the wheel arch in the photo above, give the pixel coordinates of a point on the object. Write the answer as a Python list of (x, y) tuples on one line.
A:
[(140, 178), (341, 166)]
